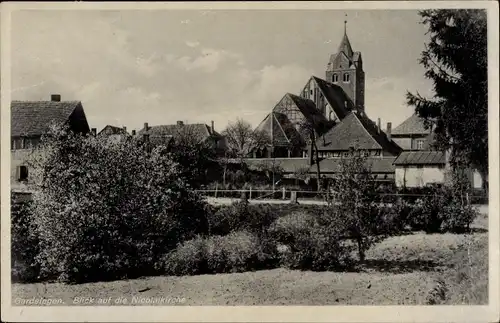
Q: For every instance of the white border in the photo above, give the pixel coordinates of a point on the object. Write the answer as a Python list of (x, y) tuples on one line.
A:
[(256, 313)]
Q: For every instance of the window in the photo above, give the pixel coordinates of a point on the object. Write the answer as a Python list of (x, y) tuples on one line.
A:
[(22, 173), (311, 92), (367, 153), (335, 78), (346, 78), (346, 154), (420, 144), (376, 153)]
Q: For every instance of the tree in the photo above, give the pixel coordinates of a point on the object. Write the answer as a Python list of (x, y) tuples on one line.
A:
[(241, 139), (107, 210), (354, 206), (455, 59), (194, 153)]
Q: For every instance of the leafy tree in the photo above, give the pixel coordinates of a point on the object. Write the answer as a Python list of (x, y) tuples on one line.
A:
[(455, 59), (107, 210), (354, 206), (194, 155)]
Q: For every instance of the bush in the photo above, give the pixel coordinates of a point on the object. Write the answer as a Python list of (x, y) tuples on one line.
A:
[(235, 252), (310, 244), (189, 258), (442, 210), (24, 243), (241, 216), (109, 210)]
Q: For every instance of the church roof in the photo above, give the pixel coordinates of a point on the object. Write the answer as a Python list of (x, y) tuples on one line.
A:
[(308, 109), (279, 129), (335, 96), (345, 46), (356, 130), (414, 125)]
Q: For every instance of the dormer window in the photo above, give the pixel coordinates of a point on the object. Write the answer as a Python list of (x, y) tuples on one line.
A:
[(346, 78), (335, 78)]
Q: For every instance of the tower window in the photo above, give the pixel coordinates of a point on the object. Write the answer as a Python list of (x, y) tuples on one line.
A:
[(335, 78), (346, 78)]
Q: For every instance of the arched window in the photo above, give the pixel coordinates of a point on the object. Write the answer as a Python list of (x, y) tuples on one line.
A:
[(335, 78), (346, 78)]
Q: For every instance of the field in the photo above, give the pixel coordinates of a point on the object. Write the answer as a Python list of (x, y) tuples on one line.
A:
[(400, 270)]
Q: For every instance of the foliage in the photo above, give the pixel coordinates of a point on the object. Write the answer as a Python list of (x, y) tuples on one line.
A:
[(108, 210), (193, 156), (445, 208), (310, 244), (24, 242), (235, 252), (241, 216), (455, 59), (355, 209)]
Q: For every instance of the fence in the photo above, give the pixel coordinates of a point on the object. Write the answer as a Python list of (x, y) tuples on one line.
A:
[(286, 194)]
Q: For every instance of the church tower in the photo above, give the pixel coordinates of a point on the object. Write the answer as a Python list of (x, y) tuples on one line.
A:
[(345, 69)]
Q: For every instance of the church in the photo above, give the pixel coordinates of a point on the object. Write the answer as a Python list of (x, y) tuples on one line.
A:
[(334, 107)]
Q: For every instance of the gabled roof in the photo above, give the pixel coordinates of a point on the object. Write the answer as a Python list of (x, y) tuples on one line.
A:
[(422, 157), (199, 130), (335, 96), (279, 129), (356, 130), (32, 118), (414, 125), (308, 109), (112, 130)]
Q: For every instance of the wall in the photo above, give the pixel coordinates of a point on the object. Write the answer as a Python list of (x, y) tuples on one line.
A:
[(416, 177), (20, 157), (404, 143)]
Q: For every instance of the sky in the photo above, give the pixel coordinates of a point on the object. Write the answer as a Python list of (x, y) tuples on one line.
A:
[(159, 66)]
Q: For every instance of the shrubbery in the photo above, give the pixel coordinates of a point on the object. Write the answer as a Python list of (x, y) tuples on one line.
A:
[(235, 252), (109, 210), (24, 242)]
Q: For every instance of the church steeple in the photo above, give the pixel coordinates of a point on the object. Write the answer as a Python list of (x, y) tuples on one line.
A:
[(345, 45), (345, 69)]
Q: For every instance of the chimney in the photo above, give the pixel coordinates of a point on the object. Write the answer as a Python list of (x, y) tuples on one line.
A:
[(55, 97), (146, 126), (389, 129), (133, 132), (94, 131), (378, 125), (180, 123), (213, 128)]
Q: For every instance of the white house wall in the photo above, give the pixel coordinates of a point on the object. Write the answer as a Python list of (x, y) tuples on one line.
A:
[(417, 177)]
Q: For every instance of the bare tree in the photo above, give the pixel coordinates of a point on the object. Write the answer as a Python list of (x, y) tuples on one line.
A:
[(241, 139)]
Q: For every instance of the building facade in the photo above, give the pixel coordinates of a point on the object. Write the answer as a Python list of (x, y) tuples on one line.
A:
[(29, 121)]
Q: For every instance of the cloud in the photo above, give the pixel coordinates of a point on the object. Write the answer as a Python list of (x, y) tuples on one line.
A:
[(208, 60), (192, 44), (185, 22)]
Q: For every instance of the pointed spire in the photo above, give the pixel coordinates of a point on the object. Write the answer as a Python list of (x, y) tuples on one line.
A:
[(345, 45)]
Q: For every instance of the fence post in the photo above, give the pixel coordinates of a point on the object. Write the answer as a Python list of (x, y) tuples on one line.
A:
[(293, 197), (216, 186), (250, 193), (284, 194)]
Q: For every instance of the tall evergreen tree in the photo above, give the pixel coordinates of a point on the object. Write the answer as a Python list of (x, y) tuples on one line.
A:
[(455, 59)]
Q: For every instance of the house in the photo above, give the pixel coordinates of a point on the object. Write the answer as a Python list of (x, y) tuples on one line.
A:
[(412, 134), (29, 121), (113, 133), (419, 163), (180, 132)]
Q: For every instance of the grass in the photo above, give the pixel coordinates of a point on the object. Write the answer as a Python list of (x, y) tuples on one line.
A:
[(400, 270)]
